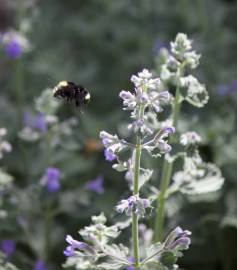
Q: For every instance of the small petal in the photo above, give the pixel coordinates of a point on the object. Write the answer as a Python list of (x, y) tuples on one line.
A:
[(109, 156), (96, 185)]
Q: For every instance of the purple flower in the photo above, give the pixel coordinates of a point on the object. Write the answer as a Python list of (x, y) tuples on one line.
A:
[(109, 156), (13, 49), (96, 185), (40, 123), (69, 251), (37, 122), (51, 179), (74, 244), (8, 246), (168, 130), (133, 204), (227, 89), (40, 265), (178, 239), (130, 267), (28, 119), (223, 90)]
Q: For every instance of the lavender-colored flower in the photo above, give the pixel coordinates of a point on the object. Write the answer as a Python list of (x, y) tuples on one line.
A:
[(227, 89), (111, 142), (129, 100), (69, 251), (8, 246), (162, 135), (178, 239), (96, 185), (14, 43), (51, 179), (13, 49), (76, 245), (109, 156), (156, 100), (37, 121), (144, 79), (190, 138), (28, 119), (133, 204), (140, 126), (223, 90), (40, 265), (130, 267), (40, 122)]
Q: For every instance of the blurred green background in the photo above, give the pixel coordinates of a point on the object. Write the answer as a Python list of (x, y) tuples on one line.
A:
[(100, 44)]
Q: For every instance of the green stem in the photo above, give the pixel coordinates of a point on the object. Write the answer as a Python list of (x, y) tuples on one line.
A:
[(18, 88), (19, 66), (176, 108), (48, 223), (166, 175), (135, 238), (48, 217), (160, 216)]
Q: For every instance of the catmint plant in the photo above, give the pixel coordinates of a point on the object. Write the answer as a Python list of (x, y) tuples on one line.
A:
[(5, 178), (196, 177), (7, 246), (97, 251)]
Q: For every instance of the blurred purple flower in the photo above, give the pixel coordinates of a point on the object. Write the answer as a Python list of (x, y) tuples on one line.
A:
[(96, 185), (130, 267), (109, 156), (227, 89), (40, 265), (51, 179), (13, 49), (8, 246), (223, 90), (38, 121), (28, 119)]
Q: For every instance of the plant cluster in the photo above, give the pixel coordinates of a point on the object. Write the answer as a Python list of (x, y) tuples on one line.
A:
[(157, 138)]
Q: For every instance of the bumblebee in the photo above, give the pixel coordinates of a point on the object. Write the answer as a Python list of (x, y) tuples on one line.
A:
[(72, 92)]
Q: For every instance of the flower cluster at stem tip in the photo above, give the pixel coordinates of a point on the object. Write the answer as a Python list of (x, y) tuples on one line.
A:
[(14, 43)]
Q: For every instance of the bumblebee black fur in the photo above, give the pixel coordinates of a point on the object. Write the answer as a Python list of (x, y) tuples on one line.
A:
[(72, 92)]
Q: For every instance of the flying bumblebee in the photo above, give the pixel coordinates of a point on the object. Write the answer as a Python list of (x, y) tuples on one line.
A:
[(72, 92)]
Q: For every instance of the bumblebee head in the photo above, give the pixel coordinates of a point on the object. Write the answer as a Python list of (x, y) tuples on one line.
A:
[(63, 84), (59, 85)]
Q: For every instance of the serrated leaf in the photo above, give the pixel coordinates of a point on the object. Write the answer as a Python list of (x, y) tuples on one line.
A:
[(116, 257), (168, 259), (153, 253)]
